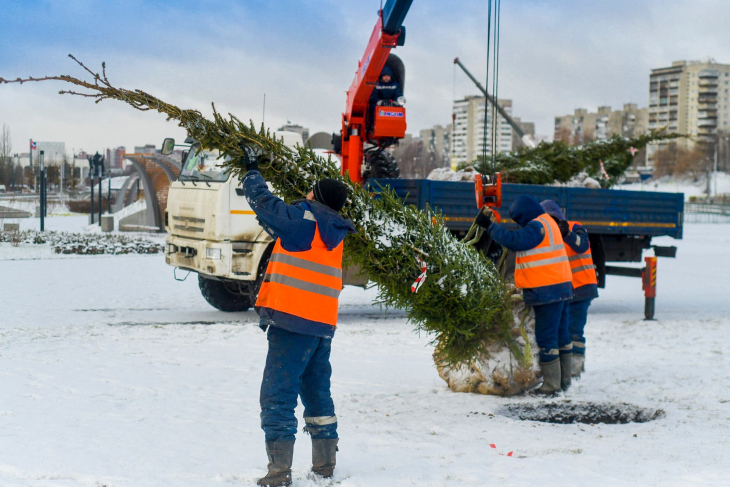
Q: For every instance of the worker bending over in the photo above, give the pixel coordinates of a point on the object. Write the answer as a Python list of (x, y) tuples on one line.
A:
[(585, 281), (298, 303), (543, 273)]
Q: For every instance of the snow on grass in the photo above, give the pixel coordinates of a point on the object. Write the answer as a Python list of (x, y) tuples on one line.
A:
[(115, 374)]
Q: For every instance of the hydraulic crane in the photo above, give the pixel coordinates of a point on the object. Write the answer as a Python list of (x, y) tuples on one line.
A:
[(389, 122)]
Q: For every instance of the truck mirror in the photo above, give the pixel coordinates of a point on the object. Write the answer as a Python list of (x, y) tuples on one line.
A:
[(167, 146)]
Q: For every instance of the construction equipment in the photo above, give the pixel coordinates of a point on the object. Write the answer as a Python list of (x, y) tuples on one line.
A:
[(389, 122), (526, 138), (488, 192)]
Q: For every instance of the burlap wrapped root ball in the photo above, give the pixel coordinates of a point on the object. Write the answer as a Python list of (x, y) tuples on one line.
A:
[(500, 371)]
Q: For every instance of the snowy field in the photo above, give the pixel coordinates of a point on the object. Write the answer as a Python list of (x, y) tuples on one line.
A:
[(114, 374)]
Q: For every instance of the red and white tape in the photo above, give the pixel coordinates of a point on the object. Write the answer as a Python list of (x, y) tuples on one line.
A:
[(419, 280), (633, 151), (604, 174)]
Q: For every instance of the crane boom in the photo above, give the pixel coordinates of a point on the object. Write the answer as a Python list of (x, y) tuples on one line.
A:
[(526, 138), (387, 34)]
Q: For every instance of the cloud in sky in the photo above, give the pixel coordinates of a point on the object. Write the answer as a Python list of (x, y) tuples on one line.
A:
[(555, 56)]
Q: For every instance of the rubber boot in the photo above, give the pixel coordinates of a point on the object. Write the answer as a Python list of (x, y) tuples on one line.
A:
[(550, 377), (281, 454), (579, 357), (566, 366), (324, 457)]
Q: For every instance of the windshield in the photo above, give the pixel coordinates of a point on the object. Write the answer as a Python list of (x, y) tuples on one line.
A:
[(203, 166)]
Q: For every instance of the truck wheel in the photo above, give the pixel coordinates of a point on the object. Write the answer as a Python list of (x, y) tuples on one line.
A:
[(381, 164), (220, 297)]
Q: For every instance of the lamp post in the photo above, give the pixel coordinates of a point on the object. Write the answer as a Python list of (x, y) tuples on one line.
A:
[(42, 178)]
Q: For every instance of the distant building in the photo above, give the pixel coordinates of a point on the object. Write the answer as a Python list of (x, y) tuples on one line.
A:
[(145, 149), (437, 143), (583, 126), (468, 136), (690, 97), (290, 127), (527, 128)]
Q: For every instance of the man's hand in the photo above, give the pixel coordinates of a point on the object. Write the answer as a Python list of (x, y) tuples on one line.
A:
[(250, 158), (564, 227), (485, 217)]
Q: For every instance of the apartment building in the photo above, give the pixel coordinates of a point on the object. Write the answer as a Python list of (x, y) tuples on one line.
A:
[(583, 126), (468, 133), (690, 97)]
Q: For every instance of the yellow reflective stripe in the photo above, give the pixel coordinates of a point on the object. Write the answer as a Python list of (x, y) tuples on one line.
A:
[(632, 224), (242, 212), (540, 263)]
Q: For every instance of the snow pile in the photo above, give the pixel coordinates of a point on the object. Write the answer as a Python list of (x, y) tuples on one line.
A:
[(446, 174), (500, 372), (84, 244), (581, 180)]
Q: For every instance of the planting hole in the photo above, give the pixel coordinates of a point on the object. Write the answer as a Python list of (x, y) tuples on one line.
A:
[(581, 412)]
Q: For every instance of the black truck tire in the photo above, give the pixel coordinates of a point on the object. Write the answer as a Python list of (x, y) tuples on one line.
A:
[(221, 297), (381, 164)]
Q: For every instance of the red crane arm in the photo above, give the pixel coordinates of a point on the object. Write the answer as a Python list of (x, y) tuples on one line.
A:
[(369, 68)]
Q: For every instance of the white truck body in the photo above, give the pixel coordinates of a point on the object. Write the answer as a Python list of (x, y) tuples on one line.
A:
[(213, 232)]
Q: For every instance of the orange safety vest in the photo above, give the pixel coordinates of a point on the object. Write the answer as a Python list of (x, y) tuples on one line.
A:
[(305, 284), (546, 264), (581, 265)]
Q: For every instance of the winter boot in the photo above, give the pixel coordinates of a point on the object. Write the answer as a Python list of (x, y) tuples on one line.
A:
[(566, 362), (324, 453), (281, 454), (550, 377), (579, 357)]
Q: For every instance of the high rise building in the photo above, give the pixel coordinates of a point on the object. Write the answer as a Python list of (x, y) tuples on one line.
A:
[(690, 97), (468, 135)]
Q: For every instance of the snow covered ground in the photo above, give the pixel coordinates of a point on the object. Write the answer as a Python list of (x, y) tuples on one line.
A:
[(720, 185), (114, 374)]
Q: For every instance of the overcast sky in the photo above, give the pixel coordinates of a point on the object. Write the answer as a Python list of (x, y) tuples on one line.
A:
[(556, 56)]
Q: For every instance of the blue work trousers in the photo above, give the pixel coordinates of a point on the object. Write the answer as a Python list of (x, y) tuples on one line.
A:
[(551, 329), (578, 317), (297, 365)]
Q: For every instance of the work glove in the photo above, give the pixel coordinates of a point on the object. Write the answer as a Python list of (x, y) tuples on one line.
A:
[(250, 158), (485, 217), (564, 227)]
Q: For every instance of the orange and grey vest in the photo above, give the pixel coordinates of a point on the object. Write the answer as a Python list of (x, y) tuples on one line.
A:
[(305, 284), (546, 264), (581, 265)]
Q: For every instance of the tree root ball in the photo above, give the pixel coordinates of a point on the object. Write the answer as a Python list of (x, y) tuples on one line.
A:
[(499, 372)]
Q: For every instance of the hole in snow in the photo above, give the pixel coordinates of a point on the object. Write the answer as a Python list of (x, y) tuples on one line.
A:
[(582, 412)]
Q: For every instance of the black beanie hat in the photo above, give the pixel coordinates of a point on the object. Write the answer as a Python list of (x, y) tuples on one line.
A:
[(331, 192)]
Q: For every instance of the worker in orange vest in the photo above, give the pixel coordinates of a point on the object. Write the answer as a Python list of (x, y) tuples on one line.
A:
[(298, 303), (585, 280), (543, 273)]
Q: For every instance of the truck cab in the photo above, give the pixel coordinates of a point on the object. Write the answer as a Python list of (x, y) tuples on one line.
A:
[(212, 231)]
